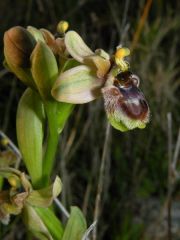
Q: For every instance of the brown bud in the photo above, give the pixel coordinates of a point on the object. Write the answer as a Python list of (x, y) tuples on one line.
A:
[(18, 46)]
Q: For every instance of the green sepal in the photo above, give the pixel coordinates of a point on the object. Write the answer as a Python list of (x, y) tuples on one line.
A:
[(77, 85)]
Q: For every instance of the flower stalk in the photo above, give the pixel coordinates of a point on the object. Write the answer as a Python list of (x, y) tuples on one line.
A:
[(57, 115)]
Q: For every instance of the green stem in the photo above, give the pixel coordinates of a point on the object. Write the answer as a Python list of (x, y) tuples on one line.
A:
[(1, 183), (49, 156), (57, 115)]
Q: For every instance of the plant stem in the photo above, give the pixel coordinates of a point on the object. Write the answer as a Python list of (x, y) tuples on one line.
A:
[(101, 181), (141, 24), (57, 115), (49, 156), (170, 182)]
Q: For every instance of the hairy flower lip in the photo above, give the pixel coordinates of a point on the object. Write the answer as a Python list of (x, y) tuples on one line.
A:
[(131, 98), (125, 104), (132, 102)]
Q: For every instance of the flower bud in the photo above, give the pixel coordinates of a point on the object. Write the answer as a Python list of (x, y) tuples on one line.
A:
[(62, 27), (18, 46)]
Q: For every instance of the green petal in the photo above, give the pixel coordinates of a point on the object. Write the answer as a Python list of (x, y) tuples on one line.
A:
[(77, 85), (76, 46)]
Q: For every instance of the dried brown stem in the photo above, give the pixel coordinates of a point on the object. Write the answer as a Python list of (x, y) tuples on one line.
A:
[(141, 24), (101, 180)]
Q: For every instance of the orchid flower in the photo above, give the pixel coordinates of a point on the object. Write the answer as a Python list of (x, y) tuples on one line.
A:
[(102, 75), (73, 73), (59, 72)]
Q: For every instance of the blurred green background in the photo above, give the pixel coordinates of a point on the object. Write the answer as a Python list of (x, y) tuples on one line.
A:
[(135, 184)]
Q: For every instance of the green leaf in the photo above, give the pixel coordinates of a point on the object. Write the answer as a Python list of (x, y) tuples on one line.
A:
[(51, 222), (44, 69), (76, 46), (76, 225), (77, 85), (44, 197), (30, 131)]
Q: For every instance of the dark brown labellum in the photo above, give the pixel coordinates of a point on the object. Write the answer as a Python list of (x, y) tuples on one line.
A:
[(131, 100)]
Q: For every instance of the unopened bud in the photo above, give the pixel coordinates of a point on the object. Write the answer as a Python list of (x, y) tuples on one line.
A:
[(62, 27), (18, 46)]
